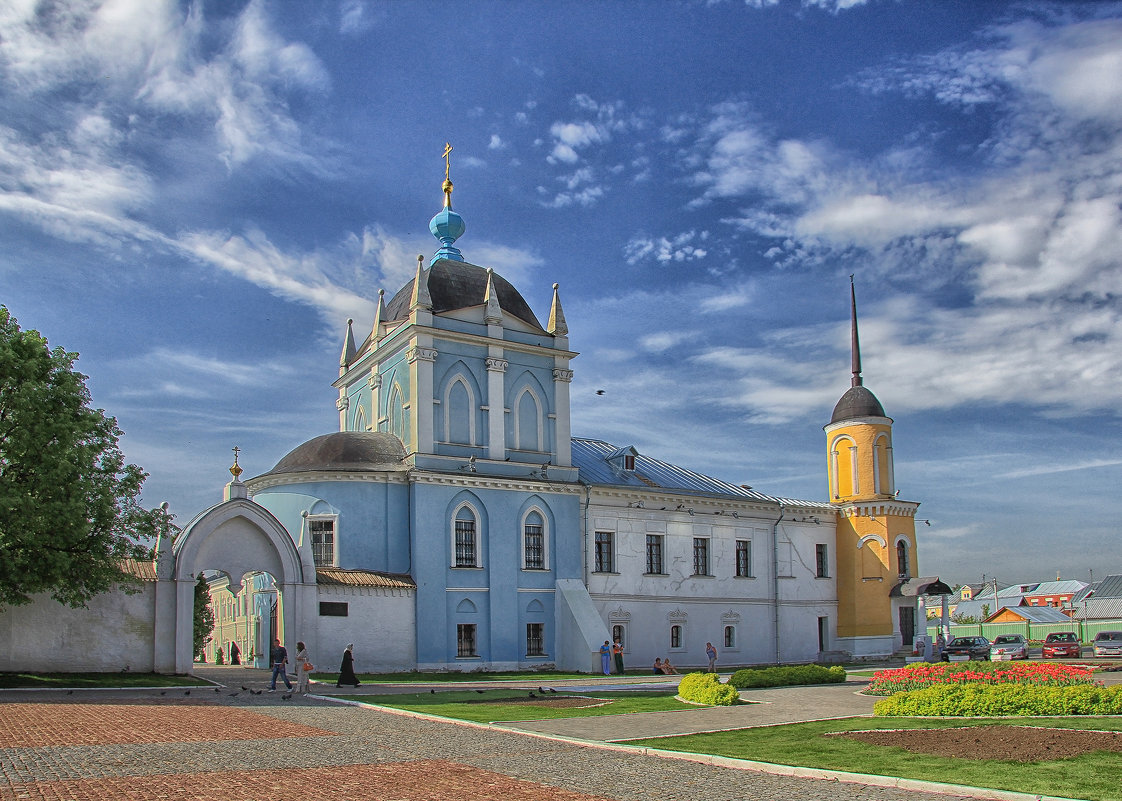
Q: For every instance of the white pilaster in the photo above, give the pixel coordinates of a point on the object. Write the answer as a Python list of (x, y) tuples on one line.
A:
[(496, 423)]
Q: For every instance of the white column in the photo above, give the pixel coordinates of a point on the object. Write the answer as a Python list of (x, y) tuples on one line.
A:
[(421, 358), (563, 443), (496, 404)]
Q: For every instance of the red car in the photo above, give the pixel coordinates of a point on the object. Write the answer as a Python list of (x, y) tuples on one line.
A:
[(1062, 643)]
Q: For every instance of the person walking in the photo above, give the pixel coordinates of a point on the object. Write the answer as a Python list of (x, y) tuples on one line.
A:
[(617, 655), (304, 668), (711, 652), (606, 658), (279, 657), (347, 668)]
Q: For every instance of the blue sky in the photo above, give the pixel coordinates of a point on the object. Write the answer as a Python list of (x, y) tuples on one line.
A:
[(197, 196)]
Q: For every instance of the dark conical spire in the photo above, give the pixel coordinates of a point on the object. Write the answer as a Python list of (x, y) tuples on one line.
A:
[(855, 342)]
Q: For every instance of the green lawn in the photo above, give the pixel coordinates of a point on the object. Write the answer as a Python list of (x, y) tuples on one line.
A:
[(1093, 776), (88, 680), (489, 706)]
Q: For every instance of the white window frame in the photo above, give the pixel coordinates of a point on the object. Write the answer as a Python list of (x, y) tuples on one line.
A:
[(472, 407), (611, 552), (539, 419), (334, 519)]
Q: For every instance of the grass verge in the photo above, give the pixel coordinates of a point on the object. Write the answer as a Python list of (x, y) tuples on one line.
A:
[(1090, 776), (495, 706), (49, 681), (538, 676)]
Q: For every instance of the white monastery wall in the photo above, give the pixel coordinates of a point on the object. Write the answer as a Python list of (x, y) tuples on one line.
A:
[(380, 622)]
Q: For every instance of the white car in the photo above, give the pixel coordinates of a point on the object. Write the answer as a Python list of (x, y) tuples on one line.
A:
[(1009, 646)]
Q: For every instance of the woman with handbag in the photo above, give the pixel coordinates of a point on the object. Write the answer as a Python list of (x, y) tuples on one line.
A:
[(304, 668)]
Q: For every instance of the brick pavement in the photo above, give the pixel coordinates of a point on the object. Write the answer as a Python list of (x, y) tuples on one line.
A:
[(306, 749)]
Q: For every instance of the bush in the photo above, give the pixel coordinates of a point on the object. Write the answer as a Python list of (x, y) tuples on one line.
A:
[(706, 688), (991, 700), (786, 676)]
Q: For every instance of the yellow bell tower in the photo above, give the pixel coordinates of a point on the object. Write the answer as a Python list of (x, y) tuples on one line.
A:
[(876, 541)]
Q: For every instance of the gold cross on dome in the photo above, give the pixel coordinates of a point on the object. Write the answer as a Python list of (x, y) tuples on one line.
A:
[(447, 151)]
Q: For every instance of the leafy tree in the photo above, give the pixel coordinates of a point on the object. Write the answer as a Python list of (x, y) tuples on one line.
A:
[(69, 505), (204, 616)]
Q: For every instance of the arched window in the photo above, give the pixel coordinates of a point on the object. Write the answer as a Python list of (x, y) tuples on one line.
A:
[(459, 413), (528, 422), (533, 542), (730, 636), (675, 636), (902, 558), (465, 543), (619, 634), (843, 467), (396, 413)]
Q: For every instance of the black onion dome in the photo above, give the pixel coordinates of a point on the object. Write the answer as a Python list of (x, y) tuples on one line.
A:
[(344, 451), (857, 402), (458, 285)]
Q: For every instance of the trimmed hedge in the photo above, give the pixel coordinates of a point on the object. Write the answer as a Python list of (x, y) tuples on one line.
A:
[(706, 688), (986, 700), (787, 676)]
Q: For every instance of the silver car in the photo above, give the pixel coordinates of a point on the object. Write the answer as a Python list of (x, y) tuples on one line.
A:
[(1108, 643), (1009, 646)]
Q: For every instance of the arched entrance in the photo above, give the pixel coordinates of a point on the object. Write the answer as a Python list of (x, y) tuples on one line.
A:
[(236, 538)]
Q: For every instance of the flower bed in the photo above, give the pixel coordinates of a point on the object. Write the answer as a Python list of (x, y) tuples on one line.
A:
[(996, 700), (924, 675)]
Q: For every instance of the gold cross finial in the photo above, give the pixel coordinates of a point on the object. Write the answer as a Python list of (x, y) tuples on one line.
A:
[(447, 151), (236, 470), (447, 181)]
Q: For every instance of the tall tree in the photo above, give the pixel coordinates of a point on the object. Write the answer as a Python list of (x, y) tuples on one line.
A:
[(204, 616), (70, 511)]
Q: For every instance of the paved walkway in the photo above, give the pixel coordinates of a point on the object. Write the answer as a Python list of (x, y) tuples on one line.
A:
[(249, 744)]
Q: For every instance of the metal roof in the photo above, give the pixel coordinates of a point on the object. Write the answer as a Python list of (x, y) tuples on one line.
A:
[(1065, 587), (592, 457), (1109, 587), (1035, 614), (363, 578), (1095, 608)]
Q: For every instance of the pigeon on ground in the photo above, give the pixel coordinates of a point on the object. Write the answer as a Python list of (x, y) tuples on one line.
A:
[(234, 694), (532, 694), (216, 689), (479, 691), (286, 697), (187, 693), (70, 692), (163, 692), (432, 692), (553, 690), (244, 687), (541, 690)]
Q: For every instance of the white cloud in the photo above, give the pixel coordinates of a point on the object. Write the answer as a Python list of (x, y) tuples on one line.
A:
[(681, 248), (355, 17), (496, 143)]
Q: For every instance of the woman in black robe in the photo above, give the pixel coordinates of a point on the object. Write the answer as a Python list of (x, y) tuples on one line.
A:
[(347, 669)]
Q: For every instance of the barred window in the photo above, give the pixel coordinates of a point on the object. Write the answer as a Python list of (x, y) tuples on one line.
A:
[(535, 639), (675, 636), (821, 561), (654, 553), (534, 543), (700, 556), (603, 552), (465, 639), (323, 541), (744, 558), (730, 636), (619, 633), (465, 539)]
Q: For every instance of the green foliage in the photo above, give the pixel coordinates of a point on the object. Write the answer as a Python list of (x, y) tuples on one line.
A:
[(69, 505), (204, 616), (706, 688), (787, 676), (974, 700)]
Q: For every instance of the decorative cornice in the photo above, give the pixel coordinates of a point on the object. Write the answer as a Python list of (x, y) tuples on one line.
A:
[(374, 380), (343, 403), (677, 616), (475, 480), (497, 365), (619, 614), (419, 354), (560, 374), (730, 616), (397, 475)]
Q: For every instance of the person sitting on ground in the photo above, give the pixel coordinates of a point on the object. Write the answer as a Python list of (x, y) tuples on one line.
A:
[(657, 670), (668, 668)]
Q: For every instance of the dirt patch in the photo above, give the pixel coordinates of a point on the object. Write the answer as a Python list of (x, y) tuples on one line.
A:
[(1011, 743), (549, 701)]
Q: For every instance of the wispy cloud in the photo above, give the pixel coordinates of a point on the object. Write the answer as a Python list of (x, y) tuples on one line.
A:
[(1050, 469)]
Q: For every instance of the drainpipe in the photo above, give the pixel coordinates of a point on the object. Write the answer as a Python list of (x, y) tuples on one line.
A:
[(775, 578), (584, 530)]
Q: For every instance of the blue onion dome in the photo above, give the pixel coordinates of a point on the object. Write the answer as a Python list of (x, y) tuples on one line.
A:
[(447, 226)]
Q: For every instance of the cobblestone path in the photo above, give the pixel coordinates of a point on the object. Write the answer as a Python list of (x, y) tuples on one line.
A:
[(265, 748)]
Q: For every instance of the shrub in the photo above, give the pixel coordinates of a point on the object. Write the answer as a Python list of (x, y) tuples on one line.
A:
[(986, 700), (787, 676), (706, 688), (922, 675)]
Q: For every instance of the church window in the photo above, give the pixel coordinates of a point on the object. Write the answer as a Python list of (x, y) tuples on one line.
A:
[(701, 556), (528, 415), (654, 554), (533, 533), (821, 561), (466, 551), (744, 558), (902, 558), (396, 413), (675, 636), (322, 532), (619, 634), (459, 413), (535, 639), (360, 419), (465, 640), (730, 636), (604, 552)]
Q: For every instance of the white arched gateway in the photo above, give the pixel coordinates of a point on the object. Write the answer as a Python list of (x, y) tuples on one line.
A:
[(235, 537)]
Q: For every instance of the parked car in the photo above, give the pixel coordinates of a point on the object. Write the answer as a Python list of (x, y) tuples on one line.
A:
[(1108, 643), (1009, 646), (1062, 643), (961, 649)]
